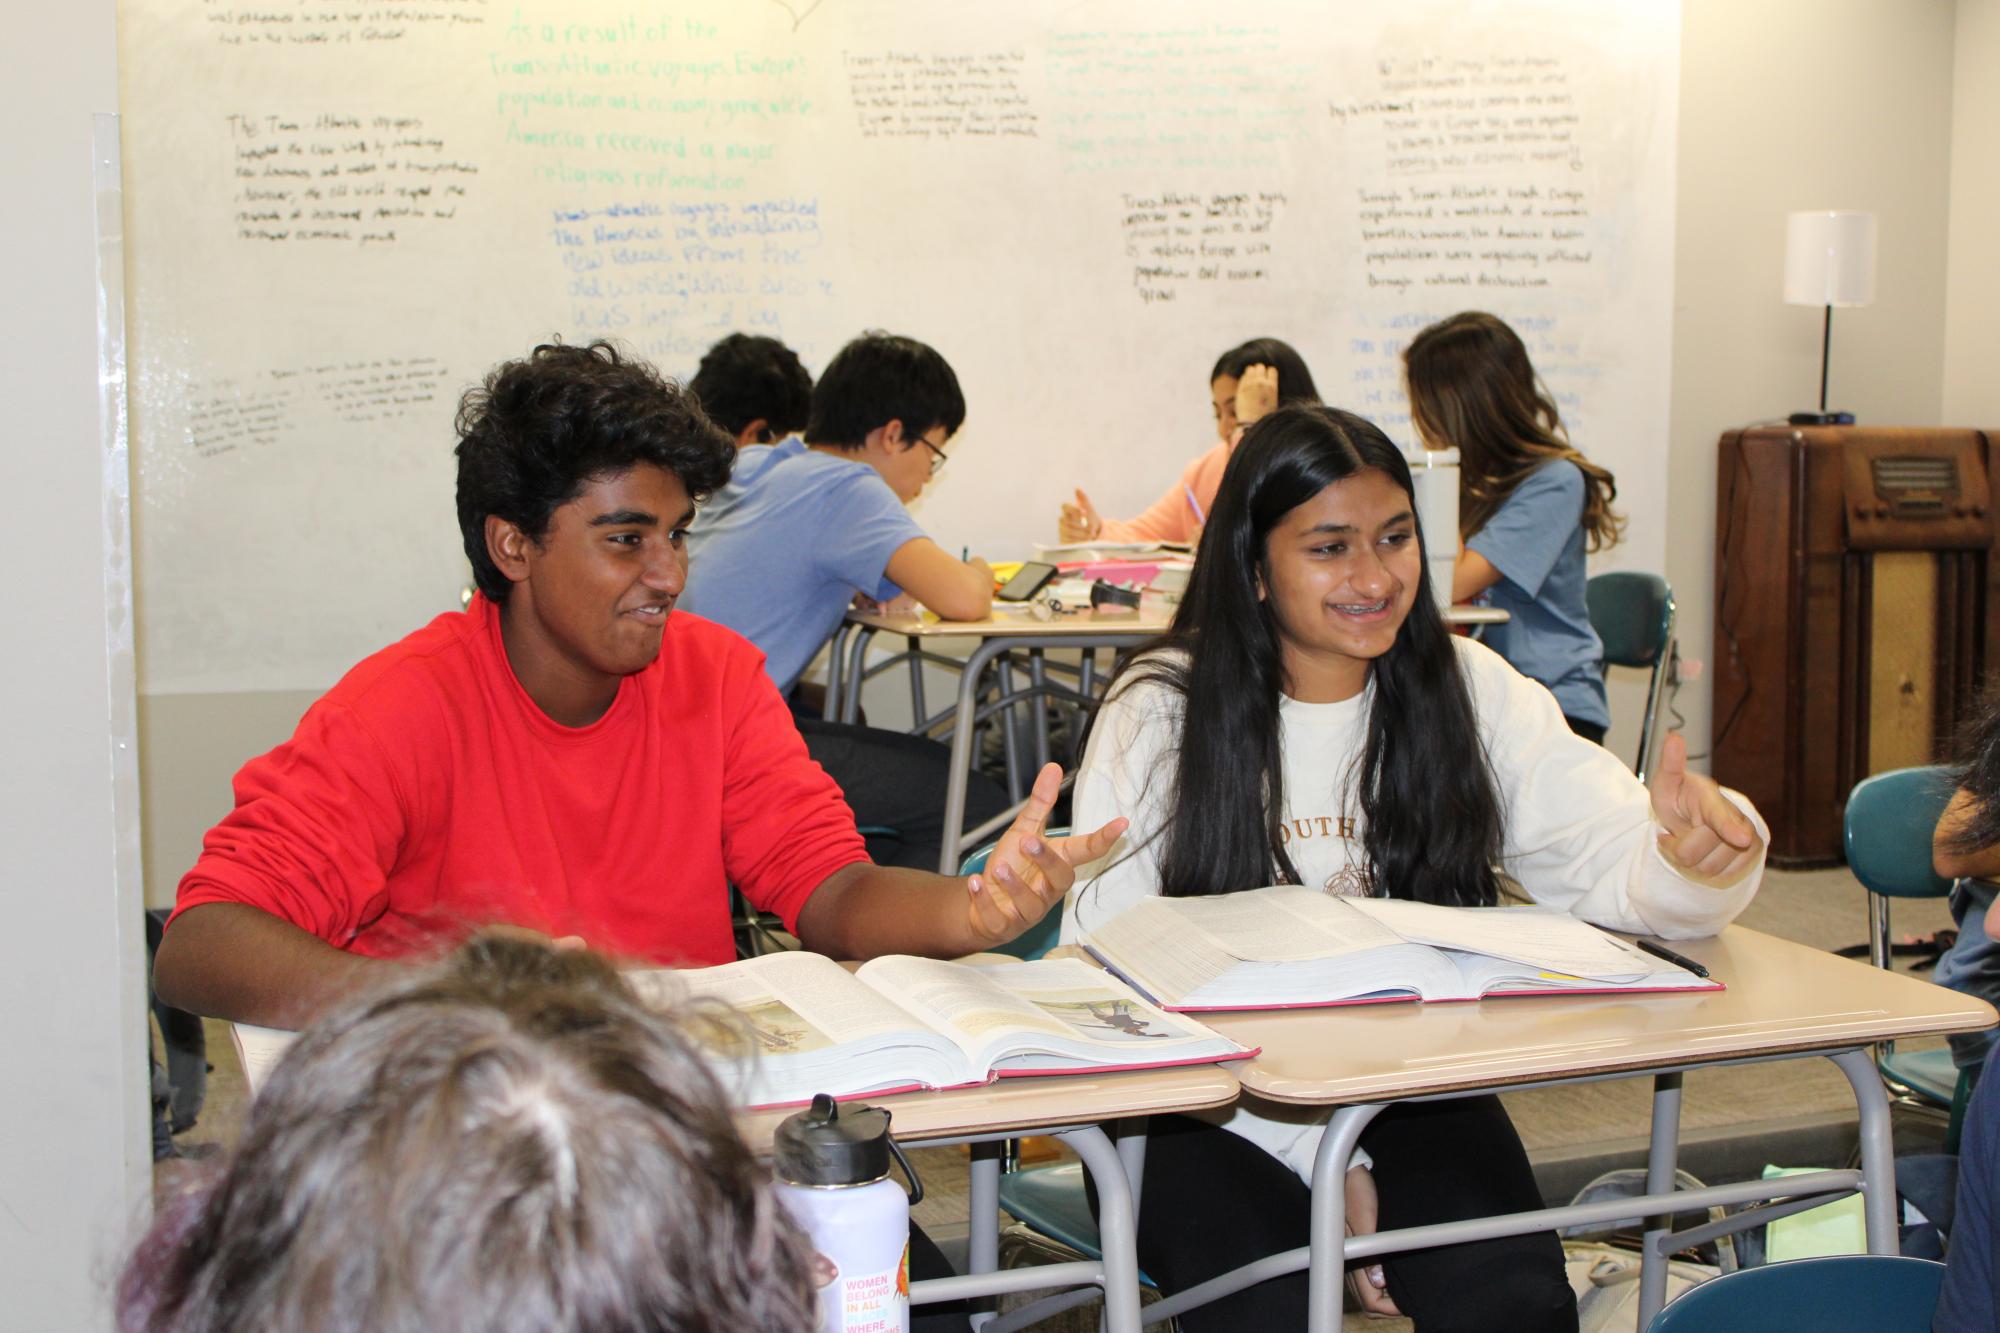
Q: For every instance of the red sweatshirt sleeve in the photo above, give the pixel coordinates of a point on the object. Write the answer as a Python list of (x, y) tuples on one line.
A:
[(785, 825), (316, 828)]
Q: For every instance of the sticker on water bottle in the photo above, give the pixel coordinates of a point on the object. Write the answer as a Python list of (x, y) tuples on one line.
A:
[(872, 1302)]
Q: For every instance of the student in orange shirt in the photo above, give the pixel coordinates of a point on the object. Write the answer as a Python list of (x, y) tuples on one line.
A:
[(1247, 382)]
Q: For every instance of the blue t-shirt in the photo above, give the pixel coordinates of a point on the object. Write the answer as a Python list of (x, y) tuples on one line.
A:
[(1535, 540), (778, 554), (1971, 965)]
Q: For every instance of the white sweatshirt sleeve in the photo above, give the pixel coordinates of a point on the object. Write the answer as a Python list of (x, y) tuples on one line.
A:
[(1580, 831), (1127, 770)]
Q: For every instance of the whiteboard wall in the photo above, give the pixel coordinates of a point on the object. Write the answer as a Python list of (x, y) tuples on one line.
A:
[(342, 214)]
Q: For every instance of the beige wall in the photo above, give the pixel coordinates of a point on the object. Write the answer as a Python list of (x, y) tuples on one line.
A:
[(1972, 296), (194, 743), (1794, 104)]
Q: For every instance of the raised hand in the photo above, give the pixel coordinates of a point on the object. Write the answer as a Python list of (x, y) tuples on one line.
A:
[(1256, 393), (1080, 522), (1029, 872), (1707, 838)]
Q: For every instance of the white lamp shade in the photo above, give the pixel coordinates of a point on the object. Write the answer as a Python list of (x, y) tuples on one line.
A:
[(1829, 258)]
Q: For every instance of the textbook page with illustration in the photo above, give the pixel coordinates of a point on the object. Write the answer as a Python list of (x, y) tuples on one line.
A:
[(1290, 946), (802, 1024)]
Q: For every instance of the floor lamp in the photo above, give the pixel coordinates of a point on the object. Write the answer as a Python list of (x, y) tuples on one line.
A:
[(1829, 261)]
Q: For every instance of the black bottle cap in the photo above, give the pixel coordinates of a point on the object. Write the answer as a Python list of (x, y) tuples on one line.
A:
[(822, 1145)]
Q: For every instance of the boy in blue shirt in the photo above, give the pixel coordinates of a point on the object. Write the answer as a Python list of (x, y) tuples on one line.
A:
[(806, 526)]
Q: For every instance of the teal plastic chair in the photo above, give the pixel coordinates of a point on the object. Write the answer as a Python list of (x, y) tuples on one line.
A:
[(1633, 615), (1887, 829), (1849, 1293)]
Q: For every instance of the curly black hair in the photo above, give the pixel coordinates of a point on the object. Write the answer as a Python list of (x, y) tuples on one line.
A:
[(541, 429), (1977, 773), (747, 377)]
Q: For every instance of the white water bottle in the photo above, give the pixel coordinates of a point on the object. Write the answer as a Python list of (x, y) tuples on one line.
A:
[(1436, 476), (833, 1174)]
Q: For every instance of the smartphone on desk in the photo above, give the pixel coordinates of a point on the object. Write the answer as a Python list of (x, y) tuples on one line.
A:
[(1027, 581)]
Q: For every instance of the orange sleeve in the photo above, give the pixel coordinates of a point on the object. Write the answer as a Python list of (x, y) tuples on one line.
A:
[(1173, 517)]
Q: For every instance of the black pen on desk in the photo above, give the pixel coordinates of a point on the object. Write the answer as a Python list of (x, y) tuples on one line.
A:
[(1678, 960)]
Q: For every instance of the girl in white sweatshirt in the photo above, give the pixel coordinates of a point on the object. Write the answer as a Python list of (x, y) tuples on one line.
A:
[(1309, 719)]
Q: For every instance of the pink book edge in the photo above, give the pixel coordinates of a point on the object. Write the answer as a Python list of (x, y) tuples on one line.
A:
[(1704, 988), (998, 1074)]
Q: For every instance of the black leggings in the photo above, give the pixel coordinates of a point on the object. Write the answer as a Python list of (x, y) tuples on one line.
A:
[(1590, 731), (1213, 1201), (897, 782)]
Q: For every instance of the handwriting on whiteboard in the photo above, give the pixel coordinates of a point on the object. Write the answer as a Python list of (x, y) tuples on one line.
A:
[(342, 177), (1175, 239)]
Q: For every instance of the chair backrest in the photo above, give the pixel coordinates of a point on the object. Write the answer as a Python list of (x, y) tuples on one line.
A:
[(1888, 826), (1633, 615), (1849, 1293), (1037, 939)]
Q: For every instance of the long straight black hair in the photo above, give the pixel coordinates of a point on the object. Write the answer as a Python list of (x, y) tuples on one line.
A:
[(1433, 818)]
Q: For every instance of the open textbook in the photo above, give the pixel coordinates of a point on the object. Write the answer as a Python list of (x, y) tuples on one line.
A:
[(898, 1024), (1292, 946), (901, 1023)]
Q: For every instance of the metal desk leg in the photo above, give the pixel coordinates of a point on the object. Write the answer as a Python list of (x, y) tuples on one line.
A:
[(1116, 1226), (1010, 726), (1328, 1264), (857, 660), (836, 659), (983, 1227), (1878, 1152), (1038, 676), (1661, 1162), (1132, 1151), (962, 753)]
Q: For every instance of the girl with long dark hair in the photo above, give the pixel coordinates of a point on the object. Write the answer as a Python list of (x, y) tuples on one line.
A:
[(1248, 381), (1309, 719), (1530, 504)]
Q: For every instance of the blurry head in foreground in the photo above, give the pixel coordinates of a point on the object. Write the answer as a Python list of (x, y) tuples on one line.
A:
[(508, 1141)]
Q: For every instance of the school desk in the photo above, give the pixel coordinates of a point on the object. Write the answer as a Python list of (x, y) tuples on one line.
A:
[(1009, 628), (1075, 1108), (1783, 1001)]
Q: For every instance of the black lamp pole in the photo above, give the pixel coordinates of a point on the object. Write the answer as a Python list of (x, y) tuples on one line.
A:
[(1825, 355), (1823, 417)]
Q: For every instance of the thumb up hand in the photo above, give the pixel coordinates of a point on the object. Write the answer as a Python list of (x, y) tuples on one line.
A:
[(1706, 837)]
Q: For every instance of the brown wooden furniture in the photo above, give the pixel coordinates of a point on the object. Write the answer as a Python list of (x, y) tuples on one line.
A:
[(1856, 608)]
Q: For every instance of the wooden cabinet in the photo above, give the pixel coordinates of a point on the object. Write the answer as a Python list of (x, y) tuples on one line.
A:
[(1856, 596)]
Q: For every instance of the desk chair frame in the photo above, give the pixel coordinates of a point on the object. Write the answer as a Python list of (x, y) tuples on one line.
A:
[(850, 667), (1886, 830), (1033, 1232), (1325, 1259), (1633, 615)]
